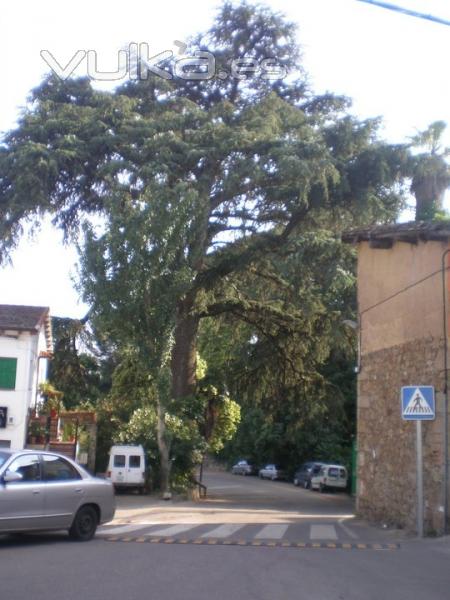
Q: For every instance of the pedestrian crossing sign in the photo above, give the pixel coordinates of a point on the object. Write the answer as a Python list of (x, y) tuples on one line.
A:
[(418, 403)]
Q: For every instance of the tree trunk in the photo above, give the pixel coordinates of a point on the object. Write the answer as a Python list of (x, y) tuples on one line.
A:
[(184, 353), (164, 450), (429, 199)]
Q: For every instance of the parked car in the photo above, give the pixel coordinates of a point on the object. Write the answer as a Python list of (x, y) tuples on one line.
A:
[(242, 468), (330, 477), (272, 472), (41, 491), (126, 467), (304, 473)]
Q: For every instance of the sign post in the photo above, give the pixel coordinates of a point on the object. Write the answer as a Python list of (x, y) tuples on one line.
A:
[(418, 405), (419, 477)]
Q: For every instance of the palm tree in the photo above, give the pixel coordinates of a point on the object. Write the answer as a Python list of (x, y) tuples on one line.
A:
[(430, 172)]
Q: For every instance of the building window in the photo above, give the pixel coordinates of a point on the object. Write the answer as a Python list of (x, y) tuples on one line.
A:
[(8, 368)]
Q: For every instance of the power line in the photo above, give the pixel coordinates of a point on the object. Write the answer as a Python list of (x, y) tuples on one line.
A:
[(407, 11)]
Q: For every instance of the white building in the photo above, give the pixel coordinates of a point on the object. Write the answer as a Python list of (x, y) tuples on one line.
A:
[(25, 346)]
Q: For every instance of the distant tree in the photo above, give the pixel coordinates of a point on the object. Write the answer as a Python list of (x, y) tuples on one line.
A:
[(294, 380), (195, 181), (77, 372)]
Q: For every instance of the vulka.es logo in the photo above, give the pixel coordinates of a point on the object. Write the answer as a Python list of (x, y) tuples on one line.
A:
[(136, 63)]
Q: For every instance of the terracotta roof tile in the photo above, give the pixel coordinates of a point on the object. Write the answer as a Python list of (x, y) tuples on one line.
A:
[(412, 232), (26, 318)]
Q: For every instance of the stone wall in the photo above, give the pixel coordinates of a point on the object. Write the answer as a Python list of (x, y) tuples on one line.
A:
[(386, 443)]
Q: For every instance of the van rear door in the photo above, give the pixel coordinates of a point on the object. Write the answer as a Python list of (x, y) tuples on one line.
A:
[(135, 469), (118, 470)]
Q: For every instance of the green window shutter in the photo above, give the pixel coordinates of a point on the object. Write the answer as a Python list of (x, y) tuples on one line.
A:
[(8, 368)]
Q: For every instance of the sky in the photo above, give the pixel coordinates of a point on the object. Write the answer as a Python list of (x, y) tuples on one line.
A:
[(391, 65)]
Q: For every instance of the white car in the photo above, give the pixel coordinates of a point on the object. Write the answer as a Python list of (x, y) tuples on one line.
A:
[(330, 477)]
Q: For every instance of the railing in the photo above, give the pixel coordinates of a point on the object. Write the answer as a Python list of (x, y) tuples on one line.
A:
[(202, 489)]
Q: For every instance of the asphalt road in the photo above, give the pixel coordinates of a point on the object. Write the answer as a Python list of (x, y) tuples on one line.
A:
[(195, 565), (247, 508)]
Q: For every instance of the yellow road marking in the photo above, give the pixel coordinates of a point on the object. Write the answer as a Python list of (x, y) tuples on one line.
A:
[(271, 543)]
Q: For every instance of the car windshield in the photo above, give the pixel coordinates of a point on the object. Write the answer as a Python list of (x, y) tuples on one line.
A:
[(3, 457)]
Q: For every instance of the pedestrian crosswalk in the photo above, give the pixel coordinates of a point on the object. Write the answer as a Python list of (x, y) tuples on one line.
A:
[(172, 530), (223, 531), (314, 532), (272, 532), (323, 532)]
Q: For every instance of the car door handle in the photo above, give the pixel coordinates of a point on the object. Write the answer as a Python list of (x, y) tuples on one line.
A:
[(36, 492), (78, 491)]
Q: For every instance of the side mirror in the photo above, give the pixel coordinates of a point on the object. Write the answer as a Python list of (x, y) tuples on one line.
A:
[(11, 476)]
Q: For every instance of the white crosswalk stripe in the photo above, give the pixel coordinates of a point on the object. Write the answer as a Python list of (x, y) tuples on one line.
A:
[(223, 531), (323, 532), (272, 532), (119, 530), (172, 530)]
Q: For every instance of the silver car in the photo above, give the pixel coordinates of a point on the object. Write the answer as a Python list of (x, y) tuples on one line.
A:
[(271, 472), (242, 468), (41, 490)]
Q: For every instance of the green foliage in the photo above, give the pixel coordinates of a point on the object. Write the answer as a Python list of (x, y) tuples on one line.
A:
[(228, 417), (294, 380), (219, 199), (76, 370)]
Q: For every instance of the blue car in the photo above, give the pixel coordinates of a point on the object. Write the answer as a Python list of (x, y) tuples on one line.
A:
[(304, 473)]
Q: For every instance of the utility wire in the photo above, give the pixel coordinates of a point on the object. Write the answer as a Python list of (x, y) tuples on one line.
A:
[(403, 290), (407, 11)]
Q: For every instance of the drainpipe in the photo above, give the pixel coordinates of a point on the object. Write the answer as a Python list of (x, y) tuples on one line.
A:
[(444, 289)]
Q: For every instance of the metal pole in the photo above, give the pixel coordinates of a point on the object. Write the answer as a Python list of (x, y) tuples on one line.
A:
[(419, 458)]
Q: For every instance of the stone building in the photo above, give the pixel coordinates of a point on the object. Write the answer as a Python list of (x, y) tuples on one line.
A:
[(403, 306)]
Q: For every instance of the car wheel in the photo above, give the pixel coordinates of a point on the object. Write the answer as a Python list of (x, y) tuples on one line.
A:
[(321, 488), (84, 524), (273, 477)]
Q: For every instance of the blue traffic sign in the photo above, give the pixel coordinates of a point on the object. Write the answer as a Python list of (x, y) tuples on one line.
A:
[(418, 403)]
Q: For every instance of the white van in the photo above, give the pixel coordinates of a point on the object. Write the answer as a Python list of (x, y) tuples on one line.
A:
[(330, 477), (126, 468)]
